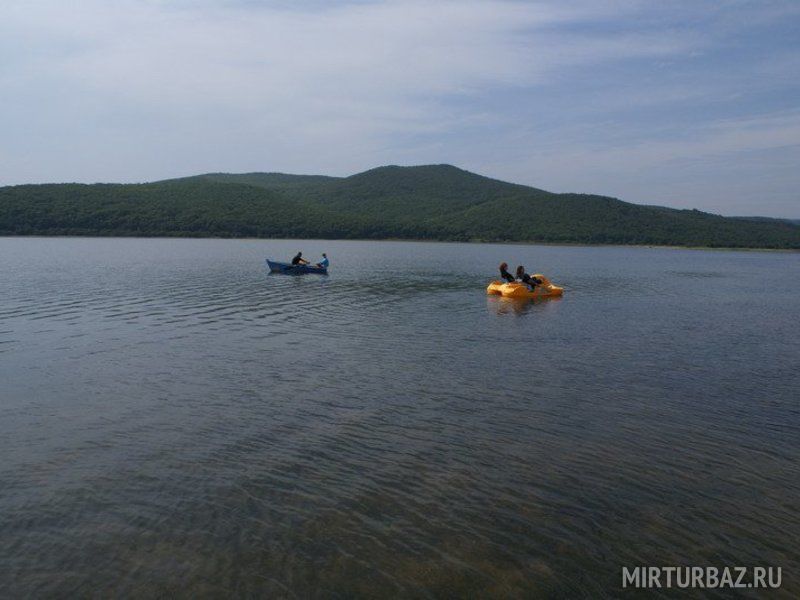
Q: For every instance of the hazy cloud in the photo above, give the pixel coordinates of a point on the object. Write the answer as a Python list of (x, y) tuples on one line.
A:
[(582, 95)]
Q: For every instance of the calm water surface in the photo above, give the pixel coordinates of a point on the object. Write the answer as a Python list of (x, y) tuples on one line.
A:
[(175, 421)]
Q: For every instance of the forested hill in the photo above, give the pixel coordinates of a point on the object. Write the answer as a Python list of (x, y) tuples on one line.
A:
[(437, 202)]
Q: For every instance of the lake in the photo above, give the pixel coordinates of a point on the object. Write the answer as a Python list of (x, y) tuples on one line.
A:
[(176, 421)]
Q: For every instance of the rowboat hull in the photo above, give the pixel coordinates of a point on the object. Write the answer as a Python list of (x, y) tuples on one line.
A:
[(289, 269)]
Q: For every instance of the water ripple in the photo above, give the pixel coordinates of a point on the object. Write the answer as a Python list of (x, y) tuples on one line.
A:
[(177, 422)]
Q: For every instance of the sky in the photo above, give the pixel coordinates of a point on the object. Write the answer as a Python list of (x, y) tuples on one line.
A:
[(690, 104)]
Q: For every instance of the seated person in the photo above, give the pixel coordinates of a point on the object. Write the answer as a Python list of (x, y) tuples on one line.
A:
[(299, 260), (324, 262), (527, 279), (504, 274)]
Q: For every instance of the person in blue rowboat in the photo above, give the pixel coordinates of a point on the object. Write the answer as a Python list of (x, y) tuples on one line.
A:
[(324, 262), (527, 279), (504, 274), (299, 260)]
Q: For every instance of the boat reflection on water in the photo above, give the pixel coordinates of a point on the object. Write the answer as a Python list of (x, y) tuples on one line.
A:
[(295, 275), (518, 306)]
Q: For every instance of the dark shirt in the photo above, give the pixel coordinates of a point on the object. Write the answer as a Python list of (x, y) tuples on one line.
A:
[(529, 280), (296, 260), (507, 276)]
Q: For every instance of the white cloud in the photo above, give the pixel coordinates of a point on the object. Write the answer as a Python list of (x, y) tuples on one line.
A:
[(348, 75), (139, 90)]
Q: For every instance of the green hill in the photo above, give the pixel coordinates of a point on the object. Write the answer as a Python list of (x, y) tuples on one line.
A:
[(273, 181), (438, 202)]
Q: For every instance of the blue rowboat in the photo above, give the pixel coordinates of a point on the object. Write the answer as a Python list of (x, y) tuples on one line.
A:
[(289, 269)]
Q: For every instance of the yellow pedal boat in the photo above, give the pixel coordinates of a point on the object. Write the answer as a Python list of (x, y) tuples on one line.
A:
[(520, 290)]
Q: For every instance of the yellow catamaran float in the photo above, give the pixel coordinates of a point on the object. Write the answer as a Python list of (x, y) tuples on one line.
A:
[(546, 289)]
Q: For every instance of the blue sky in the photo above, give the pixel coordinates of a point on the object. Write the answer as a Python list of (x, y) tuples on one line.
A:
[(685, 104)]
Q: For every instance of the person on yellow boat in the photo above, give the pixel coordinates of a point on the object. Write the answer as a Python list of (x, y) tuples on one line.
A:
[(504, 274), (527, 279)]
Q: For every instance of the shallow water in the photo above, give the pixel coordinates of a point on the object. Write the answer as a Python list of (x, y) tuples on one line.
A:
[(175, 421)]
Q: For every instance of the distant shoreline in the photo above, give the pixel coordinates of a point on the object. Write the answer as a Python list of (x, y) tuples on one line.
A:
[(401, 240), (440, 203)]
